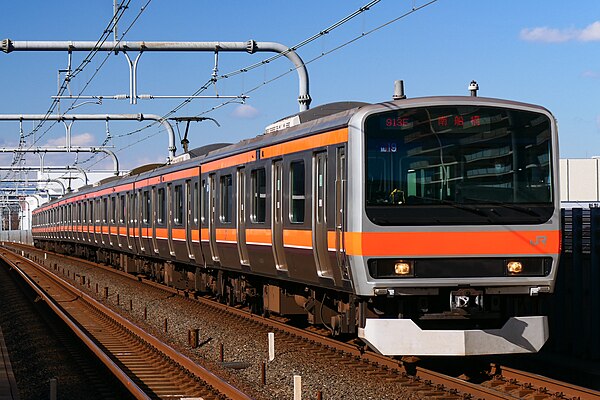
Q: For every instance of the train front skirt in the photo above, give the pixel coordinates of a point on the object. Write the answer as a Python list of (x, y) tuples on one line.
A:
[(404, 337)]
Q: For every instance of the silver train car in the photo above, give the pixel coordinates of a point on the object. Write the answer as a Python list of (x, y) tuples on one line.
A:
[(424, 226)]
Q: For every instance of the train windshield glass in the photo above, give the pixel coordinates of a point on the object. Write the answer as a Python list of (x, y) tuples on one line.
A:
[(458, 165)]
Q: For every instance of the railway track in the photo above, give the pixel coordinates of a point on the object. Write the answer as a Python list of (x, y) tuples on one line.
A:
[(503, 383), (146, 366)]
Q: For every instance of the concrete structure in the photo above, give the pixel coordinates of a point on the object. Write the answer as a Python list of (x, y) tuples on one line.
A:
[(580, 182)]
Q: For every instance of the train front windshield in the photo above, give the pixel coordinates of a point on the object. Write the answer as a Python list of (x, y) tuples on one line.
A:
[(458, 165)]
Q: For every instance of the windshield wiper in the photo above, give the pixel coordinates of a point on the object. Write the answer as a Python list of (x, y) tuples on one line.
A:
[(510, 206), (455, 204)]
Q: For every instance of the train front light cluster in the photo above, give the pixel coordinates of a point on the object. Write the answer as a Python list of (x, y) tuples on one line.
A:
[(402, 268), (391, 268), (452, 268), (514, 267)]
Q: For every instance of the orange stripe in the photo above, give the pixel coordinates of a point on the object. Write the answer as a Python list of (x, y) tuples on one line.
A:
[(262, 236), (331, 239), (310, 142), (299, 238), (162, 233), (226, 235), (404, 244), (204, 234), (186, 173), (173, 176), (243, 158), (195, 235), (178, 233)]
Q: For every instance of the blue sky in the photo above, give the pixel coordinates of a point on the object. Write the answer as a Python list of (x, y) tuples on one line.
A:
[(545, 52)]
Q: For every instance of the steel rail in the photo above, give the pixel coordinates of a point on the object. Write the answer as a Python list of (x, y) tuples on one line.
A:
[(135, 390), (549, 385), (205, 375)]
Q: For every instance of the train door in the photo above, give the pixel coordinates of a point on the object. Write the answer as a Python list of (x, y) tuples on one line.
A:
[(129, 222), (156, 204), (101, 220), (241, 216), (85, 228), (95, 207), (319, 215), (120, 219), (195, 228), (188, 220), (138, 218), (138, 205), (170, 198), (277, 215), (114, 221), (340, 211), (212, 209)]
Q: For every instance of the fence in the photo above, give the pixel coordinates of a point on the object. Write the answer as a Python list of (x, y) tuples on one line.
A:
[(21, 236), (574, 309)]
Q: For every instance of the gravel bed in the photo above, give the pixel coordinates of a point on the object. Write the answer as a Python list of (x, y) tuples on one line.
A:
[(241, 347)]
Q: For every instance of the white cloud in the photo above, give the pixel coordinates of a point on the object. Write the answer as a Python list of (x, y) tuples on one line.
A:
[(245, 111), (545, 34), (84, 139), (591, 74), (554, 35), (590, 33)]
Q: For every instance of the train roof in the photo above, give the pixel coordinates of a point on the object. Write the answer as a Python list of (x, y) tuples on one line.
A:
[(318, 119), (336, 115)]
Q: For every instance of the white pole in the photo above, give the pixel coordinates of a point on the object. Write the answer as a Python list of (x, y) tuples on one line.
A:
[(297, 387), (271, 337)]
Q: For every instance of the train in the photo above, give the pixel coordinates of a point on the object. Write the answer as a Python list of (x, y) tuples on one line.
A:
[(421, 226)]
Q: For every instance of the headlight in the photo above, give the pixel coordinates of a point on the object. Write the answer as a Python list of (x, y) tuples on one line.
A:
[(402, 268), (514, 267), (383, 268)]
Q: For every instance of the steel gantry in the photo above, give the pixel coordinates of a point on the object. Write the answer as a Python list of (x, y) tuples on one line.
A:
[(89, 117), (249, 46), (42, 169)]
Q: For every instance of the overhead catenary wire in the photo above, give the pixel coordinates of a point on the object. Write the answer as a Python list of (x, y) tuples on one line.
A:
[(323, 54), (116, 43), (129, 27), (68, 77), (413, 10), (248, 68)]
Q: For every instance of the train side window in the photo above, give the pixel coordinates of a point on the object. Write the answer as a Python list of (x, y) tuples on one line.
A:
[(178, 205), (161, 205), (113, 210), (146, 206), (189, 201), (226, 198), (122, 208), (194, 202), (132, 217), (204, 202), (91, 216), (297, 192), (104, 210), (258, 178)]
